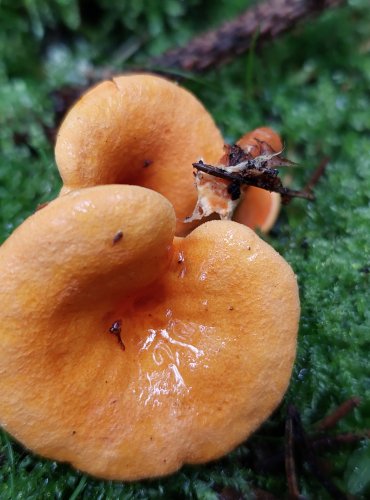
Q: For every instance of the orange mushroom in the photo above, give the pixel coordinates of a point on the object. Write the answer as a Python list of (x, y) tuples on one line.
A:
[(129, 353), (145, 130), (259, 208), (254, 207), (251, 141), (138, 129)]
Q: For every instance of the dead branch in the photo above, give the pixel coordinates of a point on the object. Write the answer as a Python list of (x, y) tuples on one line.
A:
[(342, 411), (259, 24)]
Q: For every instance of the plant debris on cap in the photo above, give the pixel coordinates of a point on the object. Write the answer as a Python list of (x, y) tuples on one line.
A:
[(220, 187)]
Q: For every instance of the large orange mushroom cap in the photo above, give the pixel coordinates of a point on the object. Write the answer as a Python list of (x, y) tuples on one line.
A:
[(138, 129), (207, 324)]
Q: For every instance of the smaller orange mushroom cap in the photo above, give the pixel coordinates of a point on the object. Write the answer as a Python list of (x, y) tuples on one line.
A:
[(204, 334), (259, 208), (250, 141), (138, 129), (253, 207)]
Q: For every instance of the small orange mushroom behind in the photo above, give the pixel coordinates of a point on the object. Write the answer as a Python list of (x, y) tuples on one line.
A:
[(252, 206), (128, 353), (259, 208), (251, 141)]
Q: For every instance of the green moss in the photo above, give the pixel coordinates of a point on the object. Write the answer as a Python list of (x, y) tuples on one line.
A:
[(312, 86)]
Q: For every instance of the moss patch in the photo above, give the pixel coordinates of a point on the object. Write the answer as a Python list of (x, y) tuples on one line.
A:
[(313, 87)]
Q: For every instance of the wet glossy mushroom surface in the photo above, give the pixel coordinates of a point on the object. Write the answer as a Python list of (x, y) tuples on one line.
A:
[(131, 355)]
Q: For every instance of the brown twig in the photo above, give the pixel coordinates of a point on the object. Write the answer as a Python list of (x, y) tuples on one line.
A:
[(326, 442), (316, 175), (331, 420), (256, 182), (303, 441), (289, 459), (266, 20), (301, 447), (259, 24), (273, 463)]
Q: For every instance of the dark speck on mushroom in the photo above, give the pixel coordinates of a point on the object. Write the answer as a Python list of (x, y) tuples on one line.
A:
[(115, 329), (147, 163), (117, 237)]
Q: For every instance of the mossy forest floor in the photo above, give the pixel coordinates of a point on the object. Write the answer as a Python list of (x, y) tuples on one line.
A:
[(313, 86)]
